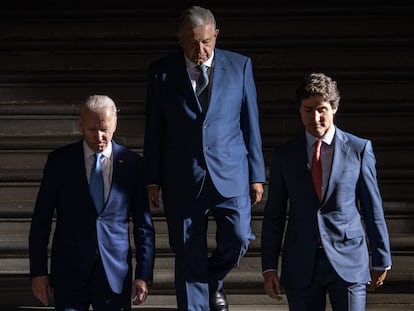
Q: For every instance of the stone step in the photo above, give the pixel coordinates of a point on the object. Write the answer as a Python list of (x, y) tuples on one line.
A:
[(397, 221), (14, 233), (12, 161), (15, 245), (17, 202), (247, 275), (19, 187), (18, 199), (395, 183), (244, 302)]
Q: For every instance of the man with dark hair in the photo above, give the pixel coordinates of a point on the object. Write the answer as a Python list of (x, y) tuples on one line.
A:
[(324, 180)]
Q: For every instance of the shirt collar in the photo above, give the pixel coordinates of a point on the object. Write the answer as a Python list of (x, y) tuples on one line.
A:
[(327, 138), (88, 152)]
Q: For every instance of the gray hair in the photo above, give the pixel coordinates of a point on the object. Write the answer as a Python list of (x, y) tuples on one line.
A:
[(196, 16), (98, 102)]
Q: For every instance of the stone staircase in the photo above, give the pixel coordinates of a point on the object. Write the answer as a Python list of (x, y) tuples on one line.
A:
[(243, 285), (52, 56)]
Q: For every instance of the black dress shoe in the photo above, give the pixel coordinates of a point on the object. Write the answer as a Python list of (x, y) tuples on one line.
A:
[(218, 301)]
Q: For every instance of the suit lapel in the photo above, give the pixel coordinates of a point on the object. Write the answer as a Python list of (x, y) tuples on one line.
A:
[(218, 77), (117, 163), (304, 169), (81, 164), (84, 184), (183, 82), (340, 154), (175, 84)]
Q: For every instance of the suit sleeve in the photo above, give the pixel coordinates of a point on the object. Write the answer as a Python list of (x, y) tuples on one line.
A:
[(251, 128), (274, 215), (144, 234), (154, 128), (372, 210), (42, 220)]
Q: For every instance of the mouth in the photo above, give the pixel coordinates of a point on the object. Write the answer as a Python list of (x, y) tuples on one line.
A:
[(319, 125), (199, 59)]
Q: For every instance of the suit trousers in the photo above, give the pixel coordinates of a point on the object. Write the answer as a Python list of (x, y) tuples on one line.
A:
[(96, 292), (199, 272), (343, 296)]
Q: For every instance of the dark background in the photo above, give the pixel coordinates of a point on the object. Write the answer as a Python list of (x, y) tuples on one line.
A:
[(55, 53)]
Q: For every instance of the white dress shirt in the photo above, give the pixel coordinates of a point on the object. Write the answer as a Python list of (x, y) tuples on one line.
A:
[(327, 150), (106, 160), (194, 73)]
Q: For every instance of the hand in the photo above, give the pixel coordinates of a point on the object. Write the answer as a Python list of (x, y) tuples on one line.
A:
[(41, 288), (153, 196), (256, 193), (272, 285), (377, 279), (139, 292)]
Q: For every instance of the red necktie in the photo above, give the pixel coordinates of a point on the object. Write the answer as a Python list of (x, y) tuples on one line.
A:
[(317, 169)]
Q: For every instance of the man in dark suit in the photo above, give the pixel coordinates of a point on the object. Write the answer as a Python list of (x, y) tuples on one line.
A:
[(91, 255), (203, 148), (327, 192)]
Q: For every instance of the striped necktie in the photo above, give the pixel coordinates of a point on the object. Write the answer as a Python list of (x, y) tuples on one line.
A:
[(201, 86), (202, 81)]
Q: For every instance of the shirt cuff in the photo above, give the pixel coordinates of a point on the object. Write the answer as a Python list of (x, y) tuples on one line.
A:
[(269, 270), (381, 268)]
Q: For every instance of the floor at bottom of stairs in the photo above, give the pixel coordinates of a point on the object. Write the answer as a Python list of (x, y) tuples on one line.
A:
[(375, 302)]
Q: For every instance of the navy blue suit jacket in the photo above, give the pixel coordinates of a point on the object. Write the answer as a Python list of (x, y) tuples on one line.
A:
[(79, 231), (183, 142), (352, 192)]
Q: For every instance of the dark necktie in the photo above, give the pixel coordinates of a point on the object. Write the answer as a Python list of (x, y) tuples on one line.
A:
[(317, 169), (202, 81), (96, 183), (201, 87)]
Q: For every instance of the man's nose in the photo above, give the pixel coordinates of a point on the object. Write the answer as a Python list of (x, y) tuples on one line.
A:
[(100, 134), (316, 115), (200, 46)]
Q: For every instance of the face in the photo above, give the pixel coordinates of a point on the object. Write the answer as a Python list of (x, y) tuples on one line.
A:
[(317, 115), (98, 128), (198, 42)]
